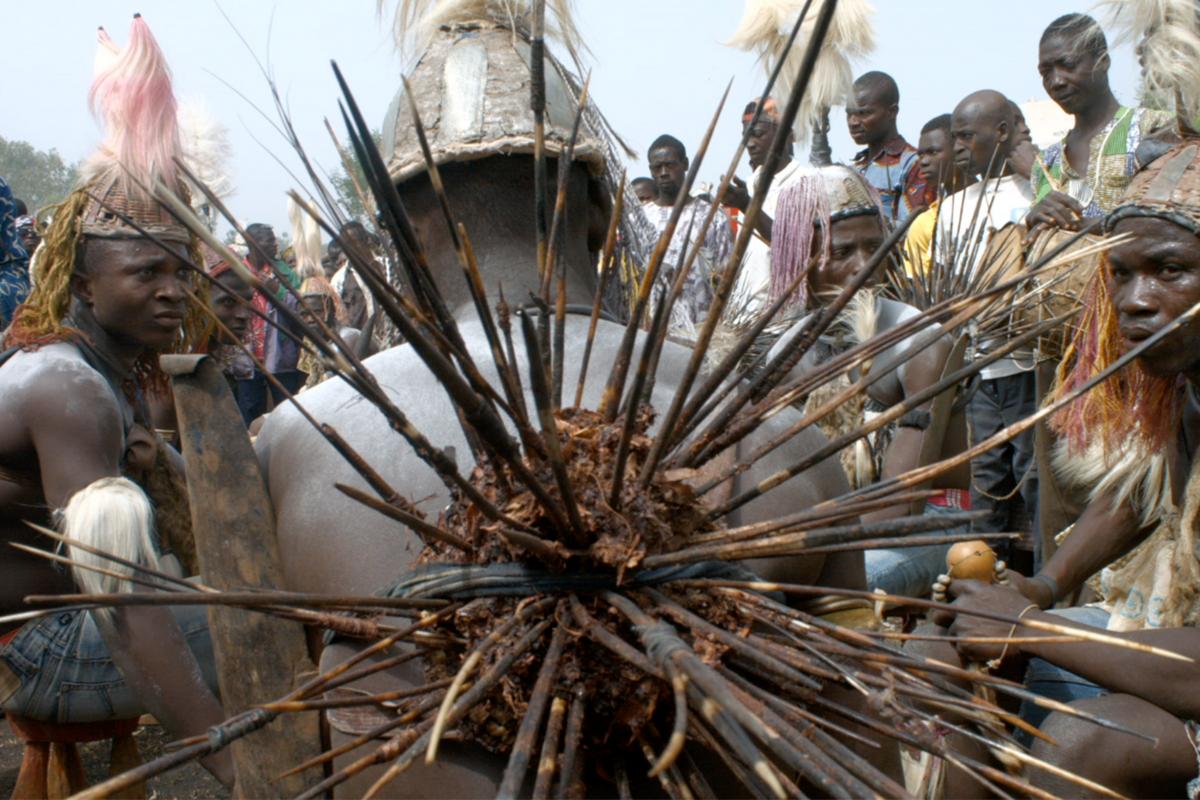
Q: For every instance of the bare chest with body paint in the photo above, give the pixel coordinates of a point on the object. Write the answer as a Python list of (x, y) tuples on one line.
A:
[(43, 394)]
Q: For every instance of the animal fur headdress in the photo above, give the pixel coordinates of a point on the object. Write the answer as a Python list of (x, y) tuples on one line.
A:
[(765, 28), (306, 239), (132, 98), (1166, 35)]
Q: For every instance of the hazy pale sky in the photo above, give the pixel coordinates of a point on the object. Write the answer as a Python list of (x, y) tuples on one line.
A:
[(658, 66)]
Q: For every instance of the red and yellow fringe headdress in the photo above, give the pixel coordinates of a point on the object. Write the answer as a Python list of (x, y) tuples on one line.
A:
[(1134, 414), (1132, 408)]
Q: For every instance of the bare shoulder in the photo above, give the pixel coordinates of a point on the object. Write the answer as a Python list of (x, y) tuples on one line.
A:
[(924, 366), (351, 336), (892, 313), (55, 380)]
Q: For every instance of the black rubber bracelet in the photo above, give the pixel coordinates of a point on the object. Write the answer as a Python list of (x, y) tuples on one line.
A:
[(1050, 584), (915, 419)]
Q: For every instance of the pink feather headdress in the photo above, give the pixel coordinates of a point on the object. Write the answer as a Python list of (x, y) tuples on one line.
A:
[(803, 206), (814, 199), (132, 98)]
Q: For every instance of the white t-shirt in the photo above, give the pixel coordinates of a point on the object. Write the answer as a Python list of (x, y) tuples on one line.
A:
[(998, 202), (751, 294), (966, 222)]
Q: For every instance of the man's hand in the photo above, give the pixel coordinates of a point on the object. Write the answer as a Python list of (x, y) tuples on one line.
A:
[(992, 598), (737, 195), (1057, 210)]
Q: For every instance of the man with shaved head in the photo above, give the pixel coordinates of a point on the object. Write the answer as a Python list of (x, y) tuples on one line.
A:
[(984, 135), (888, 162)]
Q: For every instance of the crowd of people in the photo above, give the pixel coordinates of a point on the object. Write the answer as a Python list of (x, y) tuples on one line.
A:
[(973, 172), (89, 296)]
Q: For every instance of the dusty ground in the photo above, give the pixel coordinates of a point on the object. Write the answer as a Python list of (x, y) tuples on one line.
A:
[(189, 782)]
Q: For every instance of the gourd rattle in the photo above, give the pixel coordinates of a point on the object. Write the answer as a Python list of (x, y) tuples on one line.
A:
[(973, 560)]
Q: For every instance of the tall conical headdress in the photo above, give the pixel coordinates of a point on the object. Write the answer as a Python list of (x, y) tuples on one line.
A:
[(470, 84)]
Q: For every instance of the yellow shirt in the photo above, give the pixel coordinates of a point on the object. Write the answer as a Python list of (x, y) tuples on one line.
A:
[(919, 240)]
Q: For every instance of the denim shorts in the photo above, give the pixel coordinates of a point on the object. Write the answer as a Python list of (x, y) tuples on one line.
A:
[(909, 571), (57, 668), (1056, 683)]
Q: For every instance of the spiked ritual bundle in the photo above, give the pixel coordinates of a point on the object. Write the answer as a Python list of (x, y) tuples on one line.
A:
[(649, 519)]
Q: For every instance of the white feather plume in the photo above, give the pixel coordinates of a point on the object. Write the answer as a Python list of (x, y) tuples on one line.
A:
[(112, 515), (1166, 34), (306, 241), (863, 316), (862, 320), (206, 148), (207, 153), (416, 21), (764, 29)]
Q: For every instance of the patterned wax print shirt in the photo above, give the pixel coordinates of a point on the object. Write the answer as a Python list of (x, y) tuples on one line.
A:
[(14, 261), (894, 175), (690, 310), (1111, 162)]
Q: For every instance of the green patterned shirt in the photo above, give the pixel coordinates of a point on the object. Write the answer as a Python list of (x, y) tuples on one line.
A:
[(1111, 162)]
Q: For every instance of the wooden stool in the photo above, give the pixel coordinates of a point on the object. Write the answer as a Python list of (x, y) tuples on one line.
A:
[(50, 767)]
